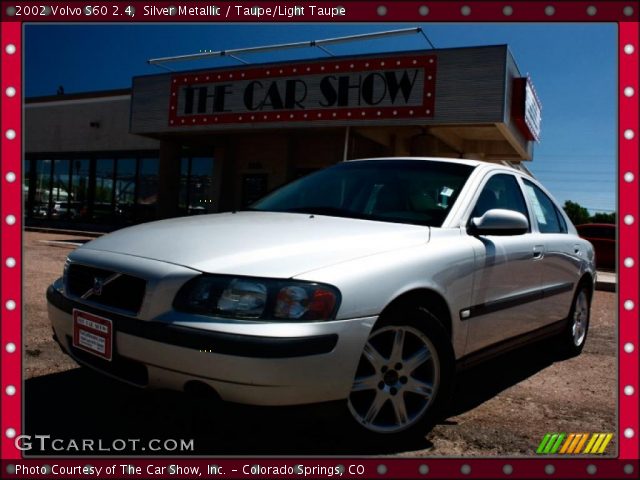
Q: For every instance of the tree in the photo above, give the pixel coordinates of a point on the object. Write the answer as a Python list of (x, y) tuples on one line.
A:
[(604, 218), (576, 212)]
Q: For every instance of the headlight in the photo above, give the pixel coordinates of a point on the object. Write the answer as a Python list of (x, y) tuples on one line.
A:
[(65, 274), (257, 298), (243, 298)]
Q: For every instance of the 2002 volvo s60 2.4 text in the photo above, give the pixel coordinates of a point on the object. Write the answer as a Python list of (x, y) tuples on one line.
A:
[(370, 282)]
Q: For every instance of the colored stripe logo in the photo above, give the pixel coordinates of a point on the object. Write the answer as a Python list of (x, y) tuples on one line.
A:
[(574, 443)]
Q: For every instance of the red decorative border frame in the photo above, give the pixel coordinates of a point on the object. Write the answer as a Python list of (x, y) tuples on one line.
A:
[(626, 465), (300, 70)]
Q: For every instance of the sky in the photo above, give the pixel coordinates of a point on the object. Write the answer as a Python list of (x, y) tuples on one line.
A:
[(573, 67)]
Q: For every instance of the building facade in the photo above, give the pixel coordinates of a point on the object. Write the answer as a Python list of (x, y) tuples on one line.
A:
[(185, 143)]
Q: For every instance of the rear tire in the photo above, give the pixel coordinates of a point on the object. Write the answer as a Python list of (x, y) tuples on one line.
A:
[(571, 341), (405, 375)]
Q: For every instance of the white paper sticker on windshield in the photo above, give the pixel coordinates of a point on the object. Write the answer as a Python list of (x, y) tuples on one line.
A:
[(446, 191)]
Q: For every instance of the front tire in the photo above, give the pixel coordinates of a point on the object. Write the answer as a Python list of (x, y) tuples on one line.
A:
[(404, 376)]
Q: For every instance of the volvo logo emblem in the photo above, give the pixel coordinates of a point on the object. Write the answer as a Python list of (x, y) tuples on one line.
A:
[(98, 284)]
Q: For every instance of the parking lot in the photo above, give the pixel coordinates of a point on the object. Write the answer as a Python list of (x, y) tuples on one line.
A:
[(503, 407)]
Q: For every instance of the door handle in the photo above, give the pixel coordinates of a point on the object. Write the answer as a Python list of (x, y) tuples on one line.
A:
[(538, 252)]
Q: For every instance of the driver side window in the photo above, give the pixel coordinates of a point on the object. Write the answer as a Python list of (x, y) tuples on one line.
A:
[(501, 191)]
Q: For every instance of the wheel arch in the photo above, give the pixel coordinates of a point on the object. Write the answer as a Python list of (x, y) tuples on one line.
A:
[(587, 281), (428, 298)]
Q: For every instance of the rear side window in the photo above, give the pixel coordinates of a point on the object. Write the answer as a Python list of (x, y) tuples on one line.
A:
[(550, 220)]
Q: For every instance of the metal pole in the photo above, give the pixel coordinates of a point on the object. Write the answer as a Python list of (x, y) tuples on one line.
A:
[(282, 46), (346, 144)]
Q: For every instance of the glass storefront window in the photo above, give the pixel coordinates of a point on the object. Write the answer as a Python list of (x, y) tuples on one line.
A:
[(26, 173), (147, 189), (125, 189), (201, 186), (42, 189), (79, 201), (183, 200), (104, 191), (60, 190)]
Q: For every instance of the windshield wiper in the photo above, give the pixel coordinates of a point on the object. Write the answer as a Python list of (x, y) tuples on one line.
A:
[(329, 211)]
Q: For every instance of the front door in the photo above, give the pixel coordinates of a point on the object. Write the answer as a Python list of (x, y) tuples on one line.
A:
[(506, 297)]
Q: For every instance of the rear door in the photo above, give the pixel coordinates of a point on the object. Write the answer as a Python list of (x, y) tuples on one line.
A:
[(563, 256)]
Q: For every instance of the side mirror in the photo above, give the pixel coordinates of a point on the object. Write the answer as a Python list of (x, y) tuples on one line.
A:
[(499, 222)]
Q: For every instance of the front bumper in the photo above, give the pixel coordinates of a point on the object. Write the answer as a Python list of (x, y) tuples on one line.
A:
[(256, 363)]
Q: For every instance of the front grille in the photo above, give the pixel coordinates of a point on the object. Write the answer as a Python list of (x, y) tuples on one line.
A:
[(123, 292)]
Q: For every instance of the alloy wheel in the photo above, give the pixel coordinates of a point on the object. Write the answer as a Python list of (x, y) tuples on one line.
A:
[(580, 319), (396, 381)]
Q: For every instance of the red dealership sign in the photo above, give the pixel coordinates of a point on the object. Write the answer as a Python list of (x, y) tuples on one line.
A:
[(347, 89), (526, 108)]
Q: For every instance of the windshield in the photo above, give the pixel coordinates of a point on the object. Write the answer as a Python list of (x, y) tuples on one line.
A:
[(419, 192)]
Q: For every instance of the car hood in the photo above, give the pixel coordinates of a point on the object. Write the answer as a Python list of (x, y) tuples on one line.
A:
[(266, 244)]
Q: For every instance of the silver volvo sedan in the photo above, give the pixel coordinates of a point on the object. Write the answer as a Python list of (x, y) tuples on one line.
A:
[(370, 282)]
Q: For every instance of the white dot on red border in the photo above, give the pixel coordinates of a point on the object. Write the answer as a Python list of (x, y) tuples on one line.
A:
[(628, 305), (628, 262), (549, 10), (628, 134), (10, 347), (628, 177), (465, 10), (628, 219), (629, 49), (628, 347), (507, 11), (10, 134), (10, 390), (10, 92), (10, 177), (629, 390), (10, 49), (10, 219), (10, 262), (629, 433), (629, 91), (10, 432), (10, 305)]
